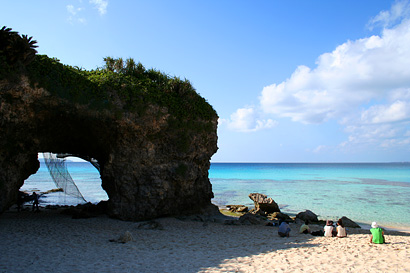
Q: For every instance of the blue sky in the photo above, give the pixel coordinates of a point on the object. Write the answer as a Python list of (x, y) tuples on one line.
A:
[(292, 81)]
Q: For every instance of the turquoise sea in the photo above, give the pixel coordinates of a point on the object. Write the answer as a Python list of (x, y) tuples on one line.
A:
[(364, 192)]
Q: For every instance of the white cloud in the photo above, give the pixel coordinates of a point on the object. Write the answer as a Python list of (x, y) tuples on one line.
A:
[(100, 5), (387, 18), (395, 112), (364, 84), (71, 9), (379, 135), (383, 125), (74, 14), (320, 148), (247, 120), (355, 73)]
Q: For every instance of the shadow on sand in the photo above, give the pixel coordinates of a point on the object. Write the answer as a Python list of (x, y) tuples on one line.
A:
[(59, 243)]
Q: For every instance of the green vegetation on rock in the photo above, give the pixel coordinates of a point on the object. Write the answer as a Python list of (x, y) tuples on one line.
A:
[(118, 86)]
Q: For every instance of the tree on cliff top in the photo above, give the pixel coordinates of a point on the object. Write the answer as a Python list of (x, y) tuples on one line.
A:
[(127, 81), (16, 49)]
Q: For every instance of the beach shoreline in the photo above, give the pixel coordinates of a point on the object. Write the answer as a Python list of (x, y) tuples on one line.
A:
[(293, 188), (49, 241), (364, 226)]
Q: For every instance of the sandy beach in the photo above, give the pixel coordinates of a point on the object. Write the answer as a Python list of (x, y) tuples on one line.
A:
[(52, 242)]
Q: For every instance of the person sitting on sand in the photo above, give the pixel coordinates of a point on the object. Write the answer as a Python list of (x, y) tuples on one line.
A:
[(328, 229), (305, 228), (341, 230), (284, 229), (377, 236)]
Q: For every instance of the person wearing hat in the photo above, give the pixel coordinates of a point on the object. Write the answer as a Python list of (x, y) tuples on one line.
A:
[(377, 236)]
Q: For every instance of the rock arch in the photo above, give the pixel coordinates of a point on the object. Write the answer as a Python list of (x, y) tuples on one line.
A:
[(153, 162)]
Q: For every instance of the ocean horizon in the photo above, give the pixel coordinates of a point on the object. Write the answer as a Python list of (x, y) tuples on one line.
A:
[(363, 192)]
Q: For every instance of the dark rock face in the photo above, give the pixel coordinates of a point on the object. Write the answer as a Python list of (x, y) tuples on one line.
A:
[(349, 223), (252, 219), (280, 216), (148, 168), (307, 215)]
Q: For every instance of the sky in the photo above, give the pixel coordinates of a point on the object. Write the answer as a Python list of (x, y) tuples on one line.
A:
[(291, 81)]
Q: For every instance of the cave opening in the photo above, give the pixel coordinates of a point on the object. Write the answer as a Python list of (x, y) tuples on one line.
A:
[(85, 175)]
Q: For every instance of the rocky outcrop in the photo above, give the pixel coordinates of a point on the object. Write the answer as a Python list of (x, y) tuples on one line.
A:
[(154, 162), (279, 216), (263, 203), (349, 223), (307, 215), (237, 208), (252, 219)]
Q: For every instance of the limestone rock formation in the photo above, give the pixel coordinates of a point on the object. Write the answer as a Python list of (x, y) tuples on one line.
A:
[(263, 203), (152, 135), (237, 208)]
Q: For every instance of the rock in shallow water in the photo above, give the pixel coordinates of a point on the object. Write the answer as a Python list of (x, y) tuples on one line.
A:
[(262, 202)]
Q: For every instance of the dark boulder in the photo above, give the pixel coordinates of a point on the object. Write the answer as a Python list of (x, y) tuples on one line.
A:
[(349, 223), (307, 215), (280, 216), (252, 219)]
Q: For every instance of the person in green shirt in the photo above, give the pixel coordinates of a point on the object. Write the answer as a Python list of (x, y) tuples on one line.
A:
[(377, 236)]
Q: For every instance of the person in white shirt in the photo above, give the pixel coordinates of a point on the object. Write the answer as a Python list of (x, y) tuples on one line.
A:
[(328, 229), (341, 230)]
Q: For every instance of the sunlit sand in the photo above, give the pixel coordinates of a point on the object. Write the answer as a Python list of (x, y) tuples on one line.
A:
[(52, 242)]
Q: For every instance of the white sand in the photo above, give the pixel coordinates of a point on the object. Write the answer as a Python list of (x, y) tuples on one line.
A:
[(52, 242)]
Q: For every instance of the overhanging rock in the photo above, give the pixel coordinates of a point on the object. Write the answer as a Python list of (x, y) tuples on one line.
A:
[(153, 145)]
